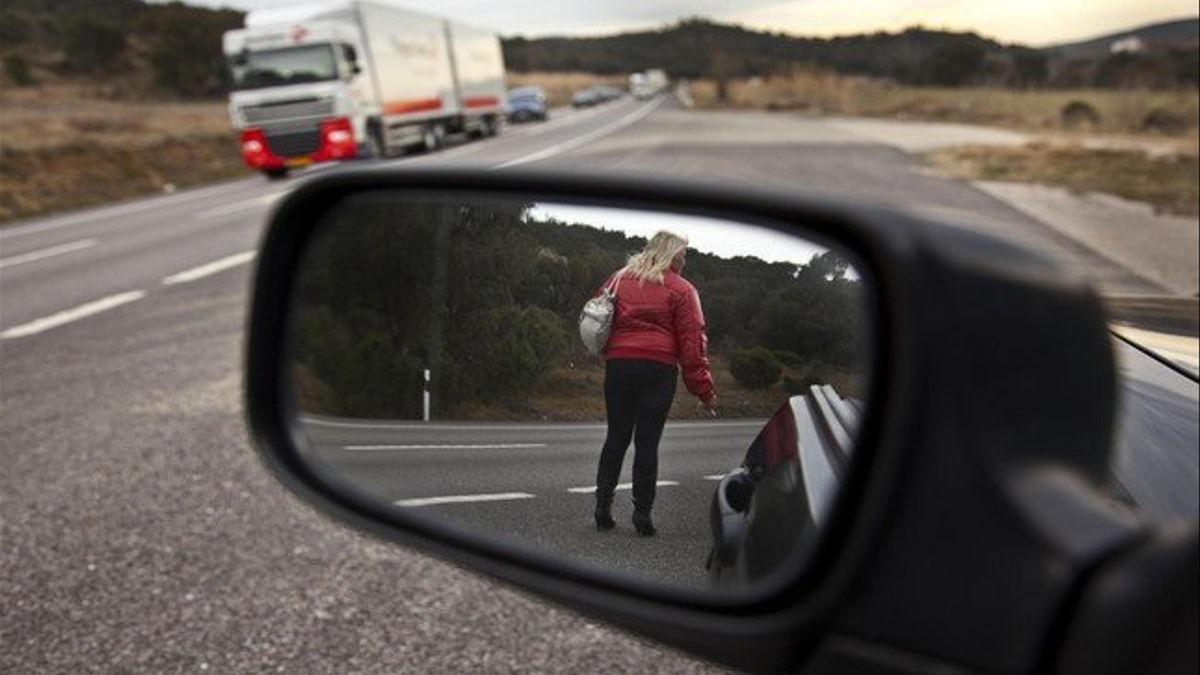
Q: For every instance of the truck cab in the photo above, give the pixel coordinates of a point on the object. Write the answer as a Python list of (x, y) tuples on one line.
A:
[(300, 94)]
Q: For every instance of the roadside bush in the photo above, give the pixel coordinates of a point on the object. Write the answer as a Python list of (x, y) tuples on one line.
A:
[(795, 386), (1164, 122), (1079, 114), (93, 44), (515, 348), (186, 56), (17, 69), (755, 368), (14, 29)]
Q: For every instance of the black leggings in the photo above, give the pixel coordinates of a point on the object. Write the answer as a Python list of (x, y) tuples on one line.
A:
[(637, 395)]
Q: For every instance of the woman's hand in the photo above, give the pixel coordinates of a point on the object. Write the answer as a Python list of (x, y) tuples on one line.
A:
[(710, 406)]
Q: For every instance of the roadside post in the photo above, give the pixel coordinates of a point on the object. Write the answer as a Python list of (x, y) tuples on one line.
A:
[(425, 398)]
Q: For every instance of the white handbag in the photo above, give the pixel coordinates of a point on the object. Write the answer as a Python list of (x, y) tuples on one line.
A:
[(596, 319)]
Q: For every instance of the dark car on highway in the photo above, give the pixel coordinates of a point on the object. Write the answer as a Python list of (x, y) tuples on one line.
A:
[(586, 98), (527, 104)]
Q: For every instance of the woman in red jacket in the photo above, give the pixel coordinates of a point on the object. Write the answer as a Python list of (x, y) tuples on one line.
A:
[(658, 324)]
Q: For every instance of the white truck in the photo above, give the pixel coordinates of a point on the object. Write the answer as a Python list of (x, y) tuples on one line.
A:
[(340, 79), (648, 84)]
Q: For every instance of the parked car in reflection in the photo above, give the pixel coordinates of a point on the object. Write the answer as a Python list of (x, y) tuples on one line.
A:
[(772, 507), (527, 104)]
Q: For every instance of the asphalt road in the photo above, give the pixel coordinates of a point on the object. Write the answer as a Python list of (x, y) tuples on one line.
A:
[(535, 483), (139, 533)]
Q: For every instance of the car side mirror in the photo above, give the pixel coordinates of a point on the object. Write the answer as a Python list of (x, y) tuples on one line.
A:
[(913, 447)]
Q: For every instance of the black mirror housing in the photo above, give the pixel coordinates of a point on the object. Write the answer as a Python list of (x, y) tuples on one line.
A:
[(963, 525)]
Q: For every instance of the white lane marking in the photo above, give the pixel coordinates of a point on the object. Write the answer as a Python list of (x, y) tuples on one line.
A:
[(237, 207), (49, 252), (595, 134), (549, 426), (73, 314), (210, 268), (481, 446), (715, 476), (620, 486), (463, 499)]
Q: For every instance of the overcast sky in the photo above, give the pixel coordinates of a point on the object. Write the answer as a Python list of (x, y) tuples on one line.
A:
[(707, 235), (1034, 22)]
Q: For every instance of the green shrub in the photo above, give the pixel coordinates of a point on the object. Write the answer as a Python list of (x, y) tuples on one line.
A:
[(93, 44), (514, 349), (755, 368), (795, 386), (14, 29), (17, 69)]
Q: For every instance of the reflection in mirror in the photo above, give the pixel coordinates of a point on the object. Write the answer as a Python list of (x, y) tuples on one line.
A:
[(440, 365)]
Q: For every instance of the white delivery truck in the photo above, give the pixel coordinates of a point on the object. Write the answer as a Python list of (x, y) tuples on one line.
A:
[(340, 79), (648, 84)]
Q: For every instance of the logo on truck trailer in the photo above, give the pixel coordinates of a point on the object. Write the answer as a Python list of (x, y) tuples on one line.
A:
[(426, 45)]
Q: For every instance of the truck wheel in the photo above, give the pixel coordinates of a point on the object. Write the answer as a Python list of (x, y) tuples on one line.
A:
[(376, 144), (491, 126), (276, 174), (431, 137)]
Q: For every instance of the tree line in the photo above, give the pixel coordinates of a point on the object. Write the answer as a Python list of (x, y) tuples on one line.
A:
[(488, 299)]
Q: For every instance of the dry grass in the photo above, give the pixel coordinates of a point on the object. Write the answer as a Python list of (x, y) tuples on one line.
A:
[(60, 149), (825, 93), (577, 395), (559, 87), (1169, 183)]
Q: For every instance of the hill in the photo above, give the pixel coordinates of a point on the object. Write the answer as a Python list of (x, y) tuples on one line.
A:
[(699, 48), (1165, 35)]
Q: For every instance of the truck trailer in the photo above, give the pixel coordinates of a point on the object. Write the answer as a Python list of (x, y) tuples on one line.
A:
[(341, 79)]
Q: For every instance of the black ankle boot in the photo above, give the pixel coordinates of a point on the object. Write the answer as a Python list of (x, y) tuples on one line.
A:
[(643, 524), (604, 519)]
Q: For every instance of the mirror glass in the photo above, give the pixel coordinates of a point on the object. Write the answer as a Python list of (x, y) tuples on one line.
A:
[(440, 366)]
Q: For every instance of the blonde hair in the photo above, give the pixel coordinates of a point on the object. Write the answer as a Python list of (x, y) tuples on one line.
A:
[(656, 257)]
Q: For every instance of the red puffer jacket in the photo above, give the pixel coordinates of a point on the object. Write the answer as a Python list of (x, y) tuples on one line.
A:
[(664, 323)]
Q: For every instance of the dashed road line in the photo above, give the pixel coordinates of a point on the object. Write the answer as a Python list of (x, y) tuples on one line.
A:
[(620, 486), (463, 499), (211, 268), (49, 252), (479, 446), (73, 314), (237, 207), (715, 476), (583, 139)]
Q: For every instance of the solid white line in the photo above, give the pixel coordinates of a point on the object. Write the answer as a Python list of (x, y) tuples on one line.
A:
[(49, 252), (74, 314), (549, 426), (462, 499), (620, 486), (482, 446), (244, 205), (210, 268), (595, 134)]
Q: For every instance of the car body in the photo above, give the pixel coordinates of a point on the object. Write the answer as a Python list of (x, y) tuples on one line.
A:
[(782, 491), (526, 104), (586, 98)]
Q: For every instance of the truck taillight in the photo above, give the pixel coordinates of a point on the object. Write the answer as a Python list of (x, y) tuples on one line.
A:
[(337, 140), (255, 152)]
